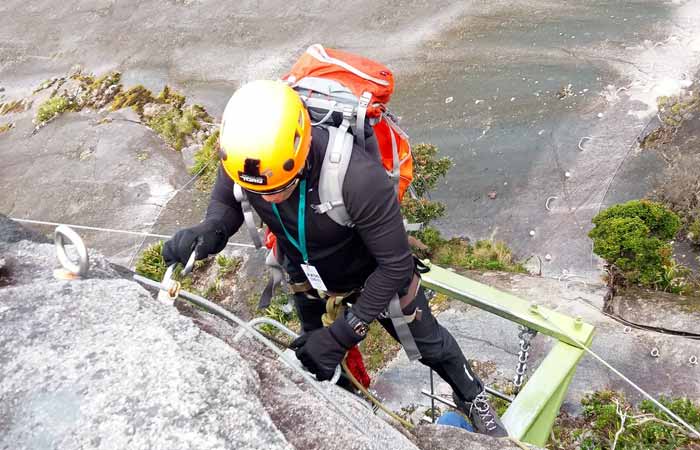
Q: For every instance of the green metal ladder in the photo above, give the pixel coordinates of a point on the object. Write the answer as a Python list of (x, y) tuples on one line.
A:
[(531, 415)]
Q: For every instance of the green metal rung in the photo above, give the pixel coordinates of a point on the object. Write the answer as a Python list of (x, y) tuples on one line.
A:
[(506, 305), (531, 415)]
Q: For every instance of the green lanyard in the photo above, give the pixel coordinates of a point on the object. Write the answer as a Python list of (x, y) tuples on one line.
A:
[(301, 244)]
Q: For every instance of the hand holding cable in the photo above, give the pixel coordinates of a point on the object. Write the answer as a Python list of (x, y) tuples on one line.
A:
[(207, 238)]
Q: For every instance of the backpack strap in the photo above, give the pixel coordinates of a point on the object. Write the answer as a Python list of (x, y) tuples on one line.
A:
[(333, 170), (362, 105), (240, 196)]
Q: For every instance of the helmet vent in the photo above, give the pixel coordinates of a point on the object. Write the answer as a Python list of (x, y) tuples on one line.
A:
[(288, 165), (297, 141)]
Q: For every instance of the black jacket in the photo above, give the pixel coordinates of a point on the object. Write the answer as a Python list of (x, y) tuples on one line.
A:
[(374, 253)]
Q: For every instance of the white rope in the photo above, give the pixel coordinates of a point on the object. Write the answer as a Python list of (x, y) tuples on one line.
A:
[(111, 230), (618, 373)]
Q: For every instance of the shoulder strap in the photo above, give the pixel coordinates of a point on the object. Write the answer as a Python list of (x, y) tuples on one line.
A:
[(333, 170), (240, 196)]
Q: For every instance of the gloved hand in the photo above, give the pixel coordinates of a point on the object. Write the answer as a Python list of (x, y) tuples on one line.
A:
[(321, 350), (207, 238)]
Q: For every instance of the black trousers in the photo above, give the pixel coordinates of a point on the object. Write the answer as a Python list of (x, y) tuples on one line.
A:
[(438, 348)]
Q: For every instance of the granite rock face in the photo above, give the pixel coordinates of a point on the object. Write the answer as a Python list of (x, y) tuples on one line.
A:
[(99, 364)]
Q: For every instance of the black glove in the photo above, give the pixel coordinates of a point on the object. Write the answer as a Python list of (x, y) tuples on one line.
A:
[(321, 350), (207, 238)]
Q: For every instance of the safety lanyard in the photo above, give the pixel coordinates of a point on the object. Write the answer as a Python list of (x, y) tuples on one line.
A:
[(301, 243)]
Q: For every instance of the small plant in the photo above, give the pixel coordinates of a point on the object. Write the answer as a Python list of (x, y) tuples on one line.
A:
[(52, 108), (206, 163), (634, 238), (227, 265), (151, 264), (646, 427)]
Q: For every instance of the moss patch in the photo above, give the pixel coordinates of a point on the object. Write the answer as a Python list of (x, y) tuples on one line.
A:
[(483, 255), (52, 108), (15, 106), (134, 98), (175, 126)]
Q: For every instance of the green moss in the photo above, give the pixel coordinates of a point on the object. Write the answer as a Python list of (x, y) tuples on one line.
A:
[(134, 98), (171, 98), (52, 108), (175, 126), (206, 163), (484, 255)]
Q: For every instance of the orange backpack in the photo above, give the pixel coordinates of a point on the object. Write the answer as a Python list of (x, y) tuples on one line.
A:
[(342, 90)]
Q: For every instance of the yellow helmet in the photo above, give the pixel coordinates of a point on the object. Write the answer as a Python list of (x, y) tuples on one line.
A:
[(265, 136)]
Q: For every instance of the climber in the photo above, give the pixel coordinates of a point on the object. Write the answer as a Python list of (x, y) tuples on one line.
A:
[(269, 147)]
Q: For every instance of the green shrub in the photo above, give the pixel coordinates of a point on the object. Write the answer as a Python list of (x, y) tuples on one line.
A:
[(633, 237), (427, 172), (662, 222)]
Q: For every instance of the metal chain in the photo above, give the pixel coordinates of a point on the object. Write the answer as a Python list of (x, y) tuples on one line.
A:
[(525, 335)]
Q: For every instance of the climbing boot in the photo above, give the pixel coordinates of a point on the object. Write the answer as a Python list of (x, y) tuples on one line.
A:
[(482, 415)]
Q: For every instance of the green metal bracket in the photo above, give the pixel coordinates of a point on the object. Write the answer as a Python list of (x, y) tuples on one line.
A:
[(531, 416)]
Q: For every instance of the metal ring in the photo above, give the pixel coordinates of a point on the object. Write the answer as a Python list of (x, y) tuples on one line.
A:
[(693, 360), (549, 199), (582, 140), (81, 267), (655, 352), (627, 329)]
